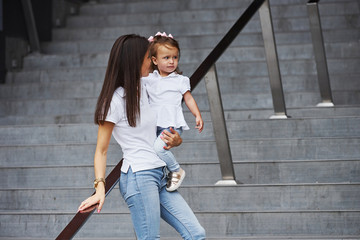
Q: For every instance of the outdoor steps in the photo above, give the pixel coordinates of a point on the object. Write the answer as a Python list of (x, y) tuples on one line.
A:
[(243, 198), (232, 223), (237, 129), (281, 151), (91, 87), (247, 172), (89, 46), (298, 207), (247, 151), (242, 101), (244, 114), (110, 16), (296, 53), (297, 176)]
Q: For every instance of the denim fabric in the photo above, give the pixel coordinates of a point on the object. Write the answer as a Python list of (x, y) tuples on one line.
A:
[(146, 196), (164, 154)]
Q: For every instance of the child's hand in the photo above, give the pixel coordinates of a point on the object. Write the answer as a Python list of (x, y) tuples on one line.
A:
[(199, 124)]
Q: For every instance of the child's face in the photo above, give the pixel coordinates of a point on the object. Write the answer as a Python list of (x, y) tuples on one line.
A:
[(166, 60)]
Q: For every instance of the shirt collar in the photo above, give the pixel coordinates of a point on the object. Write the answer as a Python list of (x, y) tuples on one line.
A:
[(157, 74)]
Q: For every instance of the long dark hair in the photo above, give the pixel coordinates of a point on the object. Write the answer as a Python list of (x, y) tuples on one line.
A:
[(123, 70)]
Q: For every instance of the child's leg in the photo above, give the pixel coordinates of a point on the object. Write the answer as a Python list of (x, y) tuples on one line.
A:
[(166, 155), (177, 174)]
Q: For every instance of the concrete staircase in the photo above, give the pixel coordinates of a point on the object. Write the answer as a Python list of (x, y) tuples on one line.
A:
[(300, 176)]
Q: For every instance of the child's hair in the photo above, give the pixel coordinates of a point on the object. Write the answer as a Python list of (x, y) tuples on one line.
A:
[(159, 40)]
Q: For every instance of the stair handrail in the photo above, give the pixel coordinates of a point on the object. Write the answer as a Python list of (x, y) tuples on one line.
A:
[(112, 179), (224, 43), (80, 218)]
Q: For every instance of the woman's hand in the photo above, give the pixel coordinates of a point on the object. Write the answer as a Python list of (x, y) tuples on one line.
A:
[(172, 138), (97, 198)]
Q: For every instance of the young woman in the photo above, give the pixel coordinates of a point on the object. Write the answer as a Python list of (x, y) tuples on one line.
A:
[(124, 111)]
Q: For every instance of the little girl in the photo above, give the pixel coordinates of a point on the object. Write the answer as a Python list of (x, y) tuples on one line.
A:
[(166, 89)]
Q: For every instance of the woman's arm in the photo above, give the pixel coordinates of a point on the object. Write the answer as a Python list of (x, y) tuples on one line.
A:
[(193, 107), (102, 145)]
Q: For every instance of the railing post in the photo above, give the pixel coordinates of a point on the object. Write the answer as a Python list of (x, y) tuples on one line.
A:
[(31, 26), (272, 61), (320, 56), (219, 126)]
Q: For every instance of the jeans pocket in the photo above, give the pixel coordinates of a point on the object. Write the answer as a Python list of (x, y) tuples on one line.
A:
[(129, 187)]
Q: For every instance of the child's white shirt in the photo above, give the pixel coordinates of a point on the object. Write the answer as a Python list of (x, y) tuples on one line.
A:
[(165, 97)]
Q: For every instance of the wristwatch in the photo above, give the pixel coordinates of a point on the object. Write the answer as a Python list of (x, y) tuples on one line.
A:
[(96, 181)]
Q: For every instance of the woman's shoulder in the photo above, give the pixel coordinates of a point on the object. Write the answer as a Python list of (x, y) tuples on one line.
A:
[(120, 91), (119, 95)]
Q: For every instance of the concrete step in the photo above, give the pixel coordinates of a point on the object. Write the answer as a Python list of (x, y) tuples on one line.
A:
[(199, 15), (243, 129), (256, 69), (244, 197), (155, 6), (234, 224), (286, 27), (247, 172), (233, 54), (277, 7), (244, 101), (89, 46), (310, 112), (254, 150), (226, 70), (91, 88)]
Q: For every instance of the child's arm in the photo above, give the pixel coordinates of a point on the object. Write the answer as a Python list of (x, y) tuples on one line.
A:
[(193, 107)]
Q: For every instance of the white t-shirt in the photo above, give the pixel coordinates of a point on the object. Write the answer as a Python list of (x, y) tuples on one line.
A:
[(165, 96), (136, 142)]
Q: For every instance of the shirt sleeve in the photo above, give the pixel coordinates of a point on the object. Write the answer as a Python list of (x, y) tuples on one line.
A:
[(116, 110), (184, 85)]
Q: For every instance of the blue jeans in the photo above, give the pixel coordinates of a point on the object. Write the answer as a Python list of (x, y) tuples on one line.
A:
[(164, 154), (146, 196)]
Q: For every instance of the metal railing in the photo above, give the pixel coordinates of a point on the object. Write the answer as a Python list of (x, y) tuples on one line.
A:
[(31, 26), (207, 68), (320, 56)]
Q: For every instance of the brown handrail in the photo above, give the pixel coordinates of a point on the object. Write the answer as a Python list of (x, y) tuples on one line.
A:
[(224, 43), (80, 218)]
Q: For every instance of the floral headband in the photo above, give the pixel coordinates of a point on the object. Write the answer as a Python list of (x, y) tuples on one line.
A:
[(151, 38)]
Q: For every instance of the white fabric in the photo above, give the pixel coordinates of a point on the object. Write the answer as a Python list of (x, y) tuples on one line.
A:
[(165, 96), (136, 143)]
